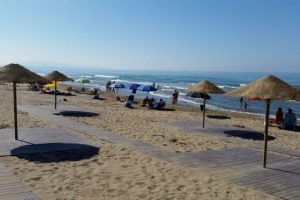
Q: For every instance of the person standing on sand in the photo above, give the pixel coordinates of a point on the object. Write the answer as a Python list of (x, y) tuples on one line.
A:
[(241, 102), (175, 97), (245, 105)]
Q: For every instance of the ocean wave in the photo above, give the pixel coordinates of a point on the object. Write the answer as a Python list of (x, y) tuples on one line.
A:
[(143, 82), (181, 88), (160, 95), (106, 76), (168, 90), (120, 81), (86, 76), (174, 87), (243, 84), (129, 82), (227, 86), (188, 101)]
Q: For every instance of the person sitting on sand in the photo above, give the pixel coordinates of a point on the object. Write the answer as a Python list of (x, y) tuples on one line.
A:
[(118, 99), (145, 101), (279, 116), (129, 101), (96, 96), (93, 91), (46, 92), (156, 105), (32, 87), (151, 103), (160, 104), (290, 119)]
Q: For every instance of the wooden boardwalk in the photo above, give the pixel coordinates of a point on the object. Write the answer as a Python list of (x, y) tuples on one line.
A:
[(226, 132), (13, 189), (32, 140), (237, 165)]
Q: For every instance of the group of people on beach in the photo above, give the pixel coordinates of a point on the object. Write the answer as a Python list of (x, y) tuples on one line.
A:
[(287, 122), (109, 86)]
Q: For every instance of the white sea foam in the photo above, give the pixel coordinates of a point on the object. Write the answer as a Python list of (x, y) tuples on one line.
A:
[(167, 86), (160, 95), (227, 86), (168, 90), (243, 84), (126, 81), (189, 101), (106, 76), (174, 87), (86, 76), (120, 81), (143, 83)]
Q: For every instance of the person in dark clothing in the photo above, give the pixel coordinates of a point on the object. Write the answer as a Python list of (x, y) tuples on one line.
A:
[(241, 102)]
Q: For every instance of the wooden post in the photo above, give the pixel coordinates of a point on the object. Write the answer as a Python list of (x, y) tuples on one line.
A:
[(15, 110), (55, 93), (268, 102), (204, 102)]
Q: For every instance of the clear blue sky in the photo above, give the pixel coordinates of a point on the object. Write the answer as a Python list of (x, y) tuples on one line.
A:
[(209, 35)]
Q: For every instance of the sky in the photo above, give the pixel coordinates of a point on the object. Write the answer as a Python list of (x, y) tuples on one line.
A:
[(193, 35)]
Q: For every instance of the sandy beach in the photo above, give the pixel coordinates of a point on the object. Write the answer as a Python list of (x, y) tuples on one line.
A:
[(122, 172)]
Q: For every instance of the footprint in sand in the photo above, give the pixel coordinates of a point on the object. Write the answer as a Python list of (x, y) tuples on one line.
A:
[(180, 187)]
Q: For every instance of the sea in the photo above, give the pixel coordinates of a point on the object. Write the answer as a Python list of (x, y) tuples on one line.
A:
[(168, 81)]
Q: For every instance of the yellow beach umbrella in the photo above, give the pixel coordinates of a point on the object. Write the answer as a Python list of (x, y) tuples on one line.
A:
[(205, 87), (15, 73), (52, 84), (267, 88)]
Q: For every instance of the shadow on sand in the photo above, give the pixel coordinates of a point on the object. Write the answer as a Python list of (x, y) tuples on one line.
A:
[(165, 109), (292, 171), (77, 114), (244, 134), (297, 129), (45, 153), (218, 117)]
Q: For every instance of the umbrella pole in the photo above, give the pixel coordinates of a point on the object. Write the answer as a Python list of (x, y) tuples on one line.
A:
[(55, 92), (268, 102), (15, 110), (204, 102)]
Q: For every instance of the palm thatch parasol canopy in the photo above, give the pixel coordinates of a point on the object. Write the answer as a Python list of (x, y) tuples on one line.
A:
[(57, 76), (268, 87), (205, 87), (15, 73)]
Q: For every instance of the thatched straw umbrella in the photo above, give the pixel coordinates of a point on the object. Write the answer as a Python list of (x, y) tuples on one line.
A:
[(56, 76), (267, 88), (205, 87), (15, 73)]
